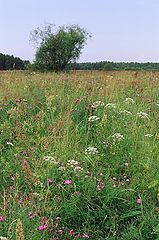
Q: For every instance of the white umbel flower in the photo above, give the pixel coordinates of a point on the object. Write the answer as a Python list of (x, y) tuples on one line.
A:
[(118, 137), (129, 101), (93, 119), (143, 115), (111, 106), (126, 112), (72, 163), (97, 104), (50, 159), (91, 151)]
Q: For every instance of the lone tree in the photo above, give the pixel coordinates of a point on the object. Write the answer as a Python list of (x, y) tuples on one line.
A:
[(57, 47)]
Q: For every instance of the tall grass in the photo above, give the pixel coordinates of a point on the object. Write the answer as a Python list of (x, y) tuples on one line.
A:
[(79, 155)]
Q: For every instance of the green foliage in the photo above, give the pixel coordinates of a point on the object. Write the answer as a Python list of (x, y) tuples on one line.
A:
[(8, 62), (47, 176), (108, 67), (104, 65), (59, 48)]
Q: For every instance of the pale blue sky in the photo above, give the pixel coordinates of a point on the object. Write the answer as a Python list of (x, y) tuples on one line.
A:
[(122, 30)]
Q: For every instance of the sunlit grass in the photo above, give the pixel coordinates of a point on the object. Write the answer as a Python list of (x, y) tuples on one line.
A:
[(79, 155)]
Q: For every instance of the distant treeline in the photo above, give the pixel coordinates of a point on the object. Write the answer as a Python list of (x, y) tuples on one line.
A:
[(8, 62), (113, 66)]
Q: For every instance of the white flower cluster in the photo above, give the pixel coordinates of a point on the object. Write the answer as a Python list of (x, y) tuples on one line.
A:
[(118, 137), (143, 115), (3, 238), (75, 165), (72, 163), (111, 106), (50, 159), (149, 135), (62, 168), (126, 112), (97, 104), (93, 119), (91, 151), (129, 100)]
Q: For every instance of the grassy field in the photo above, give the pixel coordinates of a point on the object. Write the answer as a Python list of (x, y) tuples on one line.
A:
[(79, 155)]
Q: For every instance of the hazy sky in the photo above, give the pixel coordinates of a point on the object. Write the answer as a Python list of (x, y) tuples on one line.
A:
[(122, 30)]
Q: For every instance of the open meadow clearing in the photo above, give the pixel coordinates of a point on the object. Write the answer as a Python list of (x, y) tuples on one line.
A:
[(79, 155)]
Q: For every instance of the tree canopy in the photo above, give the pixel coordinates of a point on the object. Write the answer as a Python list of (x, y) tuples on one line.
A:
[(58, 47)]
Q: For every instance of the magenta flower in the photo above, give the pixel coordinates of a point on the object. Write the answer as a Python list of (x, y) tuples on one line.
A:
[(71, 232), (33, 215), (59, 231), (85, 236), (43, 220), (20, 201), (2, 218), (139, 200), (12, 178), (50, 181), (77, 235), (67, 182), (42, 227)]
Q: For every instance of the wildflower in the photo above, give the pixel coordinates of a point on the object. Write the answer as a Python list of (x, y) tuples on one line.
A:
[(107, 144), (129, 100), (110, 106), (91, 151), (3, 238), (32, 215), (49, 181), (126, 112), (2, 218), (42, 227), (9, 143), (99, 185), (58, 219), (93, 119), (143, 115), (62, 168), (78, 169), (12, 178), (126, 164), (114, 185), (71, 232), (67, 182), (85, 235), (118, 136), (38, 183), (148, 135), (59, 231), (97, 104), (88, 173), (50, 159), (72, 163), (77, 193), (11, 188), (21, 201), (138, 201), (77, 235), (43, 220)]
